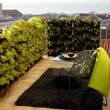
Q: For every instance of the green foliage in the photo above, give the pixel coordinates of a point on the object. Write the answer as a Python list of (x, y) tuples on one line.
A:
[(4, 67), (72, 34), (21, 45), (4, 80), (9, 77), (14, 73), (1, 49)]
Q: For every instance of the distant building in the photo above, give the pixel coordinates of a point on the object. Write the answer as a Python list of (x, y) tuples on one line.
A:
[(8, 17), (105, 18), (12, 13), (48, 15)]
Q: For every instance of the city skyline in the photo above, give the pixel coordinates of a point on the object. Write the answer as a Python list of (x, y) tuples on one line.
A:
[(56, 6)]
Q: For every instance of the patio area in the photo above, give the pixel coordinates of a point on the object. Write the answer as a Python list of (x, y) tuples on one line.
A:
[(8, 98)]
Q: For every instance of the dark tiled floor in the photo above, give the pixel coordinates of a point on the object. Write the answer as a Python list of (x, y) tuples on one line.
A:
[(8, 99)]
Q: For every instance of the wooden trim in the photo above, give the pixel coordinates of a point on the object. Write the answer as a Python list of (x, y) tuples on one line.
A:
[(105, 43)]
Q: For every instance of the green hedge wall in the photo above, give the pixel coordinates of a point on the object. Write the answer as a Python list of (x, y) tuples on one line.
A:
[(72, 34), (20, 46)]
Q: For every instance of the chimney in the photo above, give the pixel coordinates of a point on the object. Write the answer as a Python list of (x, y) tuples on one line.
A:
[(0, 11)]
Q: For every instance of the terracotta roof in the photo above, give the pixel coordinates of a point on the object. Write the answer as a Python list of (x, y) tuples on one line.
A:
[(104, 16), (92, 17), (13, 13)]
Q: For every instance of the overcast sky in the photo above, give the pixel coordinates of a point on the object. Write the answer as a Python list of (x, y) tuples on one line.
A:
[(43, 6)]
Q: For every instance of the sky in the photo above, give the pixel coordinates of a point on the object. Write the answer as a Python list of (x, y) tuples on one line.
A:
[(44, 6)]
